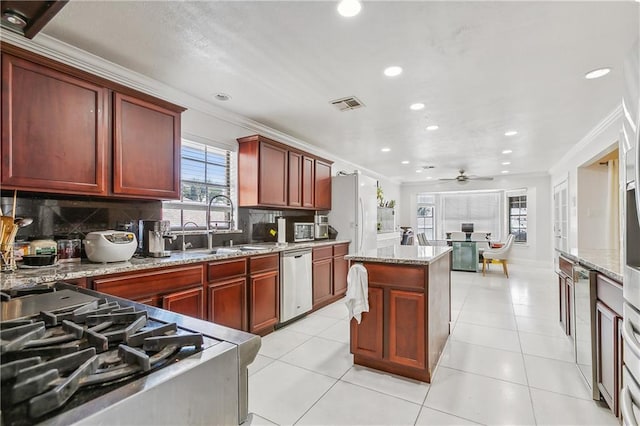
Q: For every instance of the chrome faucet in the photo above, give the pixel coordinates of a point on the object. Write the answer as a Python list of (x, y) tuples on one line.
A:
[(230, 222), (184, 225)]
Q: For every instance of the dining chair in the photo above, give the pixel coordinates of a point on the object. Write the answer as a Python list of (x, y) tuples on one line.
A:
[(422, 239), (480, 238), (500, 255)]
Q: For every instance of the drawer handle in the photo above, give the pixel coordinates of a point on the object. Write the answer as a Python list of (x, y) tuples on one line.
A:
[(628, 336)]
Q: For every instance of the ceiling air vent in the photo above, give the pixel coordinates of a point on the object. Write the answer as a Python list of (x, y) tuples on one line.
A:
[(346, 104)]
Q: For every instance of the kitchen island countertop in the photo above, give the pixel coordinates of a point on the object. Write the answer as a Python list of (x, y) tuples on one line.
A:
[(71, 271), (408, 255)]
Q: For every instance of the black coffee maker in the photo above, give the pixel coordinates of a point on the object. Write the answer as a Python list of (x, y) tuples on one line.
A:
[(407, 236)]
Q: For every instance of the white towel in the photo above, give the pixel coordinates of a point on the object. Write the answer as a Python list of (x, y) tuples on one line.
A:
[(357, 299)]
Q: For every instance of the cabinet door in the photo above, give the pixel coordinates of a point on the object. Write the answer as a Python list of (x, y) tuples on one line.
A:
[(295, 179), (322, 278), (227, 303), (309, 182), (54, 130), (264, 301), (340, 271), (143, 130), (366, 337), (322, 185), (273, 174), (562, 300), (187, 302), (407, 344), (608, 325)]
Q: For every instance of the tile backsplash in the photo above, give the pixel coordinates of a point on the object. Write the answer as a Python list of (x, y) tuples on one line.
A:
[(71, 216)]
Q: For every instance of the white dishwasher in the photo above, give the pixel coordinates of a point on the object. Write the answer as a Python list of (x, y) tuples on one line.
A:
[(296, 293)]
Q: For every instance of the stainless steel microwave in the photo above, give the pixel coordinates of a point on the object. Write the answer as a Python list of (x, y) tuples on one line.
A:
[(303, 231)]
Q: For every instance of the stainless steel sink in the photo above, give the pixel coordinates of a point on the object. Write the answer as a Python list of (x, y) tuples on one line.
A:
[(233, 250)]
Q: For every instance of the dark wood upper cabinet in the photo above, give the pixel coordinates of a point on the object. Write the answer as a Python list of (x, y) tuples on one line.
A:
[(308, 182), (323, 185), (295, 179), (57, 133), (271, 174), (54, 130), (143, 130)]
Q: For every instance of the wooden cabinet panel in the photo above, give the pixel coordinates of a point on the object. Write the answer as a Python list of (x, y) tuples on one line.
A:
[(322, 253), (145, 284), (340, 271), (341, 249), (264, 301), (295, 179), (308, 182), (273, 175), (263, 263), (407, 328), (608, 344), (400, 275), (367, 337), (322, 185), (54, 130), (143, 129), (226, 269), (188, 302), (322, 281), (227, 303)]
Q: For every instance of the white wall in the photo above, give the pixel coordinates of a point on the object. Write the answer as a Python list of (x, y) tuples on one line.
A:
[(600, 141), (538, 249), (592, 210)]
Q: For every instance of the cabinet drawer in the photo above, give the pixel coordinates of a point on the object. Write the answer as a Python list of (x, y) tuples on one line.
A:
[(609, 292), (396, 275), (566, 266), (322, 252), (340, 249), (222, 270), (269, 262), (138, 285)]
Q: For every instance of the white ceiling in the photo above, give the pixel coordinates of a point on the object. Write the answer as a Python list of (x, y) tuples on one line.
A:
[(481, 68)]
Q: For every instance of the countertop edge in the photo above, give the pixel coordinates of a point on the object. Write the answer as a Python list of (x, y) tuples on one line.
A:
[(591, 265), (71, 271), (399, 261)]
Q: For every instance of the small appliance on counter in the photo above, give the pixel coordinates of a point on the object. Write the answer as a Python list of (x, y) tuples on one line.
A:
[(300, 231), (321, 227), (154, 232), (110, 246), (407, 236)]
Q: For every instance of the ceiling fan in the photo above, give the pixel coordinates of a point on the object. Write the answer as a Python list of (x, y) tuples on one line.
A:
[(462, 178)]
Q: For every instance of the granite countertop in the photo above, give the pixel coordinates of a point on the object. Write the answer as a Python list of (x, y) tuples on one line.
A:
[(607, 262), (69, 271), (406, 255)]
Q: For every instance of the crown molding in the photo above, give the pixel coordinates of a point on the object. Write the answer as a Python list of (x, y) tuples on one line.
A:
[(601, 127), (55, 49)]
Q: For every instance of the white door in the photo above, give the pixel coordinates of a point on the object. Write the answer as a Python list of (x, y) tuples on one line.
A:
[(561, 216)]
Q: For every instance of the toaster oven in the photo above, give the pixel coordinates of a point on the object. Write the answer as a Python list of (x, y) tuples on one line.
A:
[(301, 231)]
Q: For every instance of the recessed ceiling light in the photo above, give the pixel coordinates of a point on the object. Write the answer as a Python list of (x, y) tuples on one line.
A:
[(506, 163), (511, 133), (222, 97), (504, 172), (385, 149), (429, 177), (349, 8), (405, 162), (507, 151), (600, 72), (392, 71), (419, 171), (417, 106), (432, 127), (14, 18)]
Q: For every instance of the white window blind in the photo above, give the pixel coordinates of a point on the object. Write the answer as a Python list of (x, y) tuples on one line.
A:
[(206, 171)]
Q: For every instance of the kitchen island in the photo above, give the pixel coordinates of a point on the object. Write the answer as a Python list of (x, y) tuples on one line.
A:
[(407, 325)]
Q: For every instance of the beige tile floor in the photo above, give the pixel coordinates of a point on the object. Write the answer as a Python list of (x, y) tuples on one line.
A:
[(506, 362)]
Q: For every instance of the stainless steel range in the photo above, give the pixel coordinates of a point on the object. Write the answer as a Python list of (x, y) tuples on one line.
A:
[(75, 356)]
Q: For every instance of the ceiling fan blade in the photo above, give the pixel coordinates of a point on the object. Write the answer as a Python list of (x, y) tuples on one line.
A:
[(447, 178), (481, 178)]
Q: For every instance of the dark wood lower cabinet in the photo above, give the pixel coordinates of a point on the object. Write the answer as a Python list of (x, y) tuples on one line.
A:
[(366, 337), (265, 295), (340, 269), (227, 303), (322, 282), (407, 328), (188, 302)]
